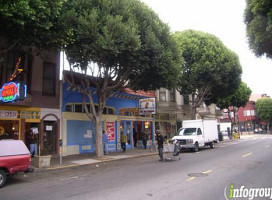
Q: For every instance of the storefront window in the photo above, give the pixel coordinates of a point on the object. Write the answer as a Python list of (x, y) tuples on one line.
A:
[(9, 129), (68, 108), (78, 108)]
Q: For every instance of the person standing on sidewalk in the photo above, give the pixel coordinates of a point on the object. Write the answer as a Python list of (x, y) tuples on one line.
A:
[(33, 141), (160, 140), (105, 142), (123, 141), (144, 139)]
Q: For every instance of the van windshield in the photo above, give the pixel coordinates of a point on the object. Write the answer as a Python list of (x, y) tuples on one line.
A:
[(187, 131)]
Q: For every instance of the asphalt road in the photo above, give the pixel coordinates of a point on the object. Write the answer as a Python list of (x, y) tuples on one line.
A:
[(206, 175)]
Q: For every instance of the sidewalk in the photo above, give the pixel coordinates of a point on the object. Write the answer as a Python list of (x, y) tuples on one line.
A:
[(91, 158)]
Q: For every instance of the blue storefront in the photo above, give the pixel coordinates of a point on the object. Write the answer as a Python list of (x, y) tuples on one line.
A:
[(121, 113)]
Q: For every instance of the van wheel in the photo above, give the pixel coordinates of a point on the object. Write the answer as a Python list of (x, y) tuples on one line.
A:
[(196, 147), (3, 178), (212, 145)]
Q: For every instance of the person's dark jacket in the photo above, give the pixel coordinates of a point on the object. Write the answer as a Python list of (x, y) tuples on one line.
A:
[(160, 140)]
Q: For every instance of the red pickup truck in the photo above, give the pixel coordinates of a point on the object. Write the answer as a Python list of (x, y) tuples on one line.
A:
[(14, 158)]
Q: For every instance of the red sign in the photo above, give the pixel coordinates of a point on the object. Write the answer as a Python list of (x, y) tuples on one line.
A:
[(110, 131)]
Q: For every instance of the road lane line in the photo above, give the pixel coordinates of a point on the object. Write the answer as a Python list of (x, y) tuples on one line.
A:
[(267, 146), (248, 154), (191, 178), (208, 171)]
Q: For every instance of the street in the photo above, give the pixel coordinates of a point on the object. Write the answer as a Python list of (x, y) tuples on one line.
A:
[(197, 176)]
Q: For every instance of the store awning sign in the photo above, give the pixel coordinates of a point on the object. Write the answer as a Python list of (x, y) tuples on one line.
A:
[(13, 92), (8, 114), (147, 106)]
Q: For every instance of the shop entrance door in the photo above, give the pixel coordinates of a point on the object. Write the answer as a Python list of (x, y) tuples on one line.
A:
[(125, 126), (50, 137), (35, 128), (129, 134)]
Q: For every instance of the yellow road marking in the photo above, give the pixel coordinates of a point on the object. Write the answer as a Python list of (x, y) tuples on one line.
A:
[(191, 178), (206, 172), (267, 146), (248, 154)]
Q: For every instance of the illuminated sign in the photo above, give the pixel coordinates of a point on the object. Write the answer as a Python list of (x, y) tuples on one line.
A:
[(13, 92)]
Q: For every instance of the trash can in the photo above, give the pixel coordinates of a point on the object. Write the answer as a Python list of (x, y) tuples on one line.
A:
[(220, 136)]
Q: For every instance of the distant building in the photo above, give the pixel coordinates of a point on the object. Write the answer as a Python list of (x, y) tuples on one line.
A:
[(247, 116)]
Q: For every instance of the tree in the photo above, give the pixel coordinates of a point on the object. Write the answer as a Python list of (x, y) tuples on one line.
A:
[(210, 71), (25, 23), (258, 20), (234, 101), (264, 110), (117, 44)]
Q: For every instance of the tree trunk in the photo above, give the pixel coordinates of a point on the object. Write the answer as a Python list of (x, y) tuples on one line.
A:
[(231, 124), (193, 116), (98, 139)]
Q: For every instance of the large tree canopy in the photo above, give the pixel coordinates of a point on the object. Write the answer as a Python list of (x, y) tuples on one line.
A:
[(29, 23), (258, 19), (118, 43), (210, 70), (125, 39)]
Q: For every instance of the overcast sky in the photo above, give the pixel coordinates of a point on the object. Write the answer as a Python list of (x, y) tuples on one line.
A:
[(224, 19)]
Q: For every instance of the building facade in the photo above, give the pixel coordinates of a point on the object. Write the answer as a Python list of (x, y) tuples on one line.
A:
[(39, 108), (121, 114), (173, 108)]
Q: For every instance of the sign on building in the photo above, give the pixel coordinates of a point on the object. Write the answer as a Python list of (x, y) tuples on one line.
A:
[(13, 91), (147, 106), (110, 131)]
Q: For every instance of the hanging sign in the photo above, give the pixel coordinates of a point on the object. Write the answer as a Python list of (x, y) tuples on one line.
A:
[(13, 92), (147, 106)]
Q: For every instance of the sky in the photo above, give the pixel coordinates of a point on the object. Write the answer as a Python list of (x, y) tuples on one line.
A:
[(225, 20)]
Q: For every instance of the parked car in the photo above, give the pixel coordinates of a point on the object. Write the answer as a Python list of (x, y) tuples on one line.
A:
[(14, 158)]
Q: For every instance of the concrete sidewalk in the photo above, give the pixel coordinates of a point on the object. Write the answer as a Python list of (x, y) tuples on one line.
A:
[(91, 158), (58, 162)]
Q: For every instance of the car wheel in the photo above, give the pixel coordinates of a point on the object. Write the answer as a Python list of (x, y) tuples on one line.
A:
[(196, 147), (212, 145), (3, 178)]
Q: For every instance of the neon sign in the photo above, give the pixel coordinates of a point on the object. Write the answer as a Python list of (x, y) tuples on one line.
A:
[(12, 92)]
